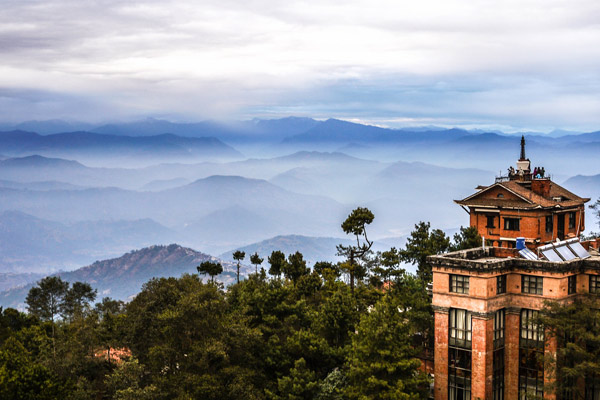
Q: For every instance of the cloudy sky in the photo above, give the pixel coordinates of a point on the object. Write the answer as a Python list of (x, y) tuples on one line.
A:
[(532, 64)]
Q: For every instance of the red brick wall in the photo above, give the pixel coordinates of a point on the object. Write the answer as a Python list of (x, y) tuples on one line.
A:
[(440, 385), (482, 350), (511, 354)]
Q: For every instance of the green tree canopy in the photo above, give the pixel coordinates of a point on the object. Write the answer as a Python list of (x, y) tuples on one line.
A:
[(424, 242), (576, 328), (383, 363), (356, 224), (277, 263), (211, 268), (238, 256), (466, 238), (256, 261)]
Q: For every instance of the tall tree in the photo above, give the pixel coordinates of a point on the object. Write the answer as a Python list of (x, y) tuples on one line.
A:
[(295, 267), (238, 255), (422, 243), (277, 263), (256, 261), (383, 363), (211, 268), (576, 328), (77, 298), (46, 301), (466, 238), (356, 224)]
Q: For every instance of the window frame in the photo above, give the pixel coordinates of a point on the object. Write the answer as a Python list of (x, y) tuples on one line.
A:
[(549, 224), (512, 224), (532, 284), (572, 219), (594, 284), (572, 284), (455, 331), (501, 284), (489, 218), (531, 350), (459, 284)]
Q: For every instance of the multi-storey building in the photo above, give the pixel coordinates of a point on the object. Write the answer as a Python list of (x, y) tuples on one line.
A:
[(485, 299), (525, 203)]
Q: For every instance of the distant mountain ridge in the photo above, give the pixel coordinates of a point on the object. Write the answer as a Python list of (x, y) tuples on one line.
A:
[(82, 142), (122, 277)]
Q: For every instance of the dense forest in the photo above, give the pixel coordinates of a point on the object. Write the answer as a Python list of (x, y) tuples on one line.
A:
[(353, 330)]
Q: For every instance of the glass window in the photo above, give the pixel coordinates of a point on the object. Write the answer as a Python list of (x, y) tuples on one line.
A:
[(490, 221), (459, 355), (501, 284), (571, 220), (459, 284), (532, 284), (531, 334), (531, 351), (511, 224), (549, 223), (498, 377), (460, 328), (572, 284), (499, 328), (594, 284)]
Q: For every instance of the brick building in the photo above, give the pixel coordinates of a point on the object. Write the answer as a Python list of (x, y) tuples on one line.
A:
[(485, 299), (527, 204)]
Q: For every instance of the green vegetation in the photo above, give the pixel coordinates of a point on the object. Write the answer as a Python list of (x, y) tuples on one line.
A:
[(352, 330), (576, 328)]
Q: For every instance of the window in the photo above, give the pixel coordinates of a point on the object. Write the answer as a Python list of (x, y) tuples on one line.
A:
[(459, 355), (499, 328), (549, 223), (572, 284), (532, 284), (501, 284), (511, 224), (594, 284), (459, 284), (460, 328), (459, 374), (531, 334), (531, 350), (490, 221), (500, 196), (571, 220), (498, 356)]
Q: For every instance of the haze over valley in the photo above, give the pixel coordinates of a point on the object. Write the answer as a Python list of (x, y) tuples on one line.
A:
[(68, 199)]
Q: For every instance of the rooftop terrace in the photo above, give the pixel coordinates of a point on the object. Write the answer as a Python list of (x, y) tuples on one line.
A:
[(490, 259)]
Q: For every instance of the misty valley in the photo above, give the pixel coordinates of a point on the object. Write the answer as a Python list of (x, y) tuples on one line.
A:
[(71, 195)]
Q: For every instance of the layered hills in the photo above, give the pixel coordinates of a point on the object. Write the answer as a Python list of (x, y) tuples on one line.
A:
[(122, 277)]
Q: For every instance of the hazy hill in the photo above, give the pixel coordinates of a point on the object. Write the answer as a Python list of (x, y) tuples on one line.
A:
[(161, 146), (33, 244), (313, 248), (9, 280), (122, 277)]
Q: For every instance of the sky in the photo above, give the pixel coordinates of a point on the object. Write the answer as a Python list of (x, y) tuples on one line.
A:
[(525, 64)]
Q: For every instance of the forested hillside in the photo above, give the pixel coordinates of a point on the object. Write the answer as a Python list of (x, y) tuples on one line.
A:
[(357, 328)]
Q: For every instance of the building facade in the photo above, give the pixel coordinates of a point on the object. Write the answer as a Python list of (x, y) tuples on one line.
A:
[(485, 300), (525, 203)]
